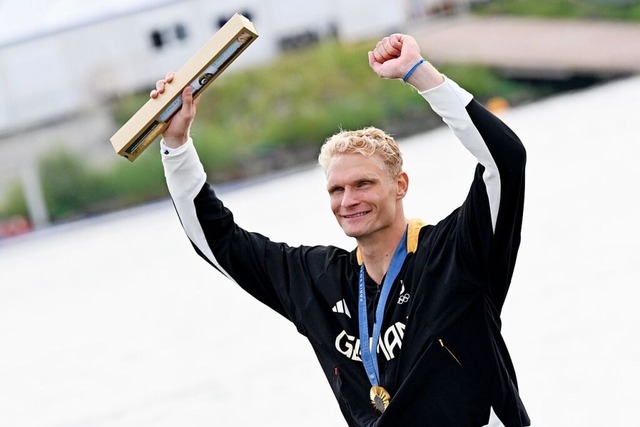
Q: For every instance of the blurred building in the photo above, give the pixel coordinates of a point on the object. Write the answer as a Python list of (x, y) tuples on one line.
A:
[(70, 55), (61, 61)]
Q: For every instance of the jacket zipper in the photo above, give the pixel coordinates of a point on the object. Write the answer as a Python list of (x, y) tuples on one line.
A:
[(450, 352)]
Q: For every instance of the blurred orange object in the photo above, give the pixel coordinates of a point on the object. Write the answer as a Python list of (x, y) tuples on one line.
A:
[(498, 105)]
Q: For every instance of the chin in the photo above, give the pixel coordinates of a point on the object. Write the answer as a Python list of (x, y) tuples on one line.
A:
[(349, 231), (354, 232)]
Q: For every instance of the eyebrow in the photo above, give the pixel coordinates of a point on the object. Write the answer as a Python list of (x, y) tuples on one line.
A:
[(368, 178)]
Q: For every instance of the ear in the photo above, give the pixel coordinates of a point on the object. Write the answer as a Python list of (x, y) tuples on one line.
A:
[(402, 185)]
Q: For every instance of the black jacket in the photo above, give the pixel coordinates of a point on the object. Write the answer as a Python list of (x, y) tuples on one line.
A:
[(441, 355)]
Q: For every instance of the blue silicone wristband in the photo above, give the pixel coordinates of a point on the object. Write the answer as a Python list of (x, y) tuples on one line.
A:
[(406, 76)]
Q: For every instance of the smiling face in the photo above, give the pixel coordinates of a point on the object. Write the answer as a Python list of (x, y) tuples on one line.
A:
[(365, 198)]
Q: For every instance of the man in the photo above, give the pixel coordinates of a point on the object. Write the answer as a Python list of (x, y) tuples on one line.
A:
[(418, 342)]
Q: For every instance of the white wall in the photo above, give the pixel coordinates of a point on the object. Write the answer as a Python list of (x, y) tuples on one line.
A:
[(34, 81), (46, 78)]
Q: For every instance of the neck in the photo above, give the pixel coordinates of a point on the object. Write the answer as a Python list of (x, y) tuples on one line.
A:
[(378, 251)]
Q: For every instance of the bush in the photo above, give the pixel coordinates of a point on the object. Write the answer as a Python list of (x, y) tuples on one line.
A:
[(72, 189), (67, 185), (15, 203)]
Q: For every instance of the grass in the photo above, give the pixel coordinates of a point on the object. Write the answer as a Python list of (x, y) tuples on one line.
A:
[(623, 10)]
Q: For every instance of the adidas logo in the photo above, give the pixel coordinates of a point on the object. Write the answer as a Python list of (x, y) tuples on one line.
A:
[(341, 307)]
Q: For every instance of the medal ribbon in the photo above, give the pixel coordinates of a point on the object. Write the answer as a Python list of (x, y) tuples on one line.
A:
[(368, 350)]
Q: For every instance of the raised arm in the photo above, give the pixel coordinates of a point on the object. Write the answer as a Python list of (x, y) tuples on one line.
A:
[(239, 255), (492, 212), (398, 57)]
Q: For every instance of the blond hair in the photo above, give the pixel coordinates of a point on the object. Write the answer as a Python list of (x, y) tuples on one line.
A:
[(368, 142)]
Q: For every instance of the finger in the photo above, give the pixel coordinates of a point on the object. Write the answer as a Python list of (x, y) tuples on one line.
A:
[(378, 57), (372, 58), (390, 49), (188, 110), (396, 43), (382, 52), (160, 86), (187, 99), (373, 63), (169, 77)]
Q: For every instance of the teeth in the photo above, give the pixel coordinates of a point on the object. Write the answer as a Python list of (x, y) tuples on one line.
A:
[(356, 215)]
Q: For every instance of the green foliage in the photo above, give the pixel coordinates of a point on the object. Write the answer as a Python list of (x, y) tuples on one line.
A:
[(485, 84), (124, 107), (292, 100), (15, 203), (66, 184), (298, 101), (249, 121), (133, 183), (627, 10), (73, 189)]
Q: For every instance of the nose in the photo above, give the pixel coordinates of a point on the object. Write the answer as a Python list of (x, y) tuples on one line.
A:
[(349, 198)]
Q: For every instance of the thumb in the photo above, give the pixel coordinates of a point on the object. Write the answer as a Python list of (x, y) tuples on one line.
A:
[(177, 133), (188, 110)]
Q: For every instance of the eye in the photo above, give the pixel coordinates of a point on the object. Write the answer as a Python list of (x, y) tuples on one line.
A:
[(335, 190)]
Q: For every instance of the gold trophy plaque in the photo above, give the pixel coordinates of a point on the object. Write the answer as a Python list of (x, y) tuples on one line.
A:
[(199, 71)]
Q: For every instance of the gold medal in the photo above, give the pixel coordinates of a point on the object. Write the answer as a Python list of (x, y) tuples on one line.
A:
[(380, 398)]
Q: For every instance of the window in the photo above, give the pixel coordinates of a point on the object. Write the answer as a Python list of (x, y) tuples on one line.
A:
[(181, 32), (162, 37), (156, 39)]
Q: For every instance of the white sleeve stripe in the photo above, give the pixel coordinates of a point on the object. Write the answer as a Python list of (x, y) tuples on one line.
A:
[(493, 192), (449, 101), (185, 178), (195, 233)]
